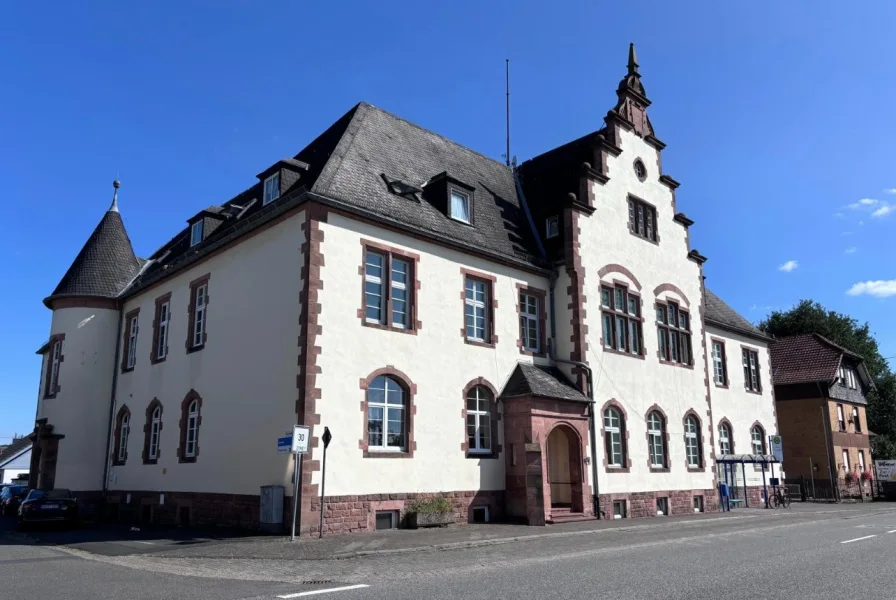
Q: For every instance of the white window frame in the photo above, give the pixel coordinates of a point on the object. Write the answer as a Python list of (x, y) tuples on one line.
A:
[(751, 370), (846, 461), (724, 440), (155, 427), (376, 280), (131, 361), (862, 466), (718, 363), (692, 442), (480, 419), (271, 189), (841, 418), (474, 306), (195, 233), (552, 227), (387, 408), (757, 439), (401, 286), (192, 429), (613, 433), (199, 310), (529, 320), (164, 319), (54, 368), (657, 442), (466, 200), (123, 435)]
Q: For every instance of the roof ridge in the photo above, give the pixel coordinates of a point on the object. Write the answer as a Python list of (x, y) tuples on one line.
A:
[(837, 346), (431, 132)]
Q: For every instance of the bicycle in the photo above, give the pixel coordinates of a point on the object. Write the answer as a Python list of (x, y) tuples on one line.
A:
[(780, 497)]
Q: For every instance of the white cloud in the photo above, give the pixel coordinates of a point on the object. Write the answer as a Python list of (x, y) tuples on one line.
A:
[(890, 191), (850, 250), (863, 203), (884, 210), (878, 289), (789, 266)]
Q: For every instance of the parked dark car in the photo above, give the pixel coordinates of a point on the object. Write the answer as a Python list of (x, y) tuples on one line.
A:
[(56, 506), (10, 498)]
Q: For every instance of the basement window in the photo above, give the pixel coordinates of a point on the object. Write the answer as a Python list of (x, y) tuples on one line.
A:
[(662, 507), (386, 519), (480, 514), (619, 509), (698, 504)]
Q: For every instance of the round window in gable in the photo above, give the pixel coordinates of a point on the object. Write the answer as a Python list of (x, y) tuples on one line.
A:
[(640, 170)]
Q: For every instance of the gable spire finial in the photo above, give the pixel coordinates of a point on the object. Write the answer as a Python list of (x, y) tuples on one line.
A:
[(632, 60), (115, 184)]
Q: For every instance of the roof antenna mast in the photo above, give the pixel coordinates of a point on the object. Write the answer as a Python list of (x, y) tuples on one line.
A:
[(507, 84)]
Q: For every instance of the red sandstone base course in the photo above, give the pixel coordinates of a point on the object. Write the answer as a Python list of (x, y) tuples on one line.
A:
[(348, 514)]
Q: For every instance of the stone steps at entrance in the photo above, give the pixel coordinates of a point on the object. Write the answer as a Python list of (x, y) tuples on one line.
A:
[(565, 515)]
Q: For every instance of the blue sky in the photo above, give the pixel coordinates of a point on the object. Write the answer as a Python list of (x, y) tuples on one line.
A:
[(778, 121)]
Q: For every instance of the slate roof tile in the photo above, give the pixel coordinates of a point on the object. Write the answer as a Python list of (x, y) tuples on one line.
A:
[(534, 380), (720, 314), (13, 449)]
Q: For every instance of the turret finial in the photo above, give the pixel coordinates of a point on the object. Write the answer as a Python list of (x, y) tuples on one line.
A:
[(115, 184), (632, 60)]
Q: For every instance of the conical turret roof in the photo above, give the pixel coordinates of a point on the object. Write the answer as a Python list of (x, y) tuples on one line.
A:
[(105, 264)]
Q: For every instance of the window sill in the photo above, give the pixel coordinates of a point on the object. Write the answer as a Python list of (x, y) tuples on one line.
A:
[(156, 361), (696, 469), (617, 469), (49, 396), (622, 353), (407, 330), (486, 455), (187, 459), (672, 363), (757, 392), (659, 469), (723, 386), (645, 238), (480, 343), (533, 353), (193, 349), (387, 454), (150, 461), (127, 369), (119, 463)]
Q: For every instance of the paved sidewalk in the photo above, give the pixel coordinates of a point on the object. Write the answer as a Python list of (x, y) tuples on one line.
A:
[(405, 540)]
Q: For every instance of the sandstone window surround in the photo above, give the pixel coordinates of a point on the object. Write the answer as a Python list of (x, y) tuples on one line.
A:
[(389, 288), (533, 320), (657, 440), (54, 364), (161, 325), (642, 221), (129, 352), (480, 305), (752, 376), (122, 434), (190, 422), (197, 314), (621, 320), (152, 433), (719, 363), (388, 407), (693, 442), (726, 441), (674, 334)]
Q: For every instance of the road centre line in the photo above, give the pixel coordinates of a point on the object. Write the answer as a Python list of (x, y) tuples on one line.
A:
[(327, 591), (894, 531), (867, 537)]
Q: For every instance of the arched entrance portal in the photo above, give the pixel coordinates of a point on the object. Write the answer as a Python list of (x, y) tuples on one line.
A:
[(565, 469)]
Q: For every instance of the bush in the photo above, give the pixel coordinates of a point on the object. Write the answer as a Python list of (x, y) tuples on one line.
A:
[(866, 475), (439, 505), (850, 477)]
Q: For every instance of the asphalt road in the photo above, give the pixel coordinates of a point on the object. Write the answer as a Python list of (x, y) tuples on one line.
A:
[(821, 554)]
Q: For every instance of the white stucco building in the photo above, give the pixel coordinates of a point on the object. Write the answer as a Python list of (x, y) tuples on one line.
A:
[(531, 341)]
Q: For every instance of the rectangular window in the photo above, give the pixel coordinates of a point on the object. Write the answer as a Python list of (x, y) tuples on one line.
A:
[(642, 219), (853, 385), (751, 370), (856, 422), (131, 358), (861, 461), (840, 420), (196, 329), (719, 366), (54, 369), (530, 325), (386, 519), (271, 188), (388, 289), (163, 317), (674, 333), (846, 461), (476, 309), (662, 506), (195, 233), (552, 227), (698, 504), (621, 317), (460, 206), (618, 509)]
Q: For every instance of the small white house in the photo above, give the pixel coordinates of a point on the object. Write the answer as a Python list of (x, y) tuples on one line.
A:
[(15, 460)]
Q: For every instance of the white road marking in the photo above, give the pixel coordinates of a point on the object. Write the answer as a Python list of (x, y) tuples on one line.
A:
[(867, 537), (315, 592), (141, 542), (894, 531)]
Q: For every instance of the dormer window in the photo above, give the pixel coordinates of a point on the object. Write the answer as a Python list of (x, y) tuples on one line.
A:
[(195, 233), (460, 206), (552, 227), (271, 188)]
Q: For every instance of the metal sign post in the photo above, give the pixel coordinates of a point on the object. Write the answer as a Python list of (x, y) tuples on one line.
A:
[(323, 479), (299, 447)]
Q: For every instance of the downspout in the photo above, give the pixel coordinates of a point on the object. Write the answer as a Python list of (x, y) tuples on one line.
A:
[(595, 496), (109, 430)]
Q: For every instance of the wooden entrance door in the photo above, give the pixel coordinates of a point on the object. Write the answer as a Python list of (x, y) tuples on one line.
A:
[(558, 468)]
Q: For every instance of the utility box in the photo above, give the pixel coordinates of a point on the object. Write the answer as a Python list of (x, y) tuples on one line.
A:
[(271, 508)]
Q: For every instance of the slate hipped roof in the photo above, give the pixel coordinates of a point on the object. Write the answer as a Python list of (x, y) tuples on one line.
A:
[(535, 380), (14, 449), (105, 264), (810, 357), (718, 313)]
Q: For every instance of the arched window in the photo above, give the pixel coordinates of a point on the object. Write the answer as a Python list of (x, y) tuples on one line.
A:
[(724, 438), (192, 428), (386, 418), (479, 420), (155, 429), (122, 432), (656, 437), (614, 437), (692, 441), (757, 434)]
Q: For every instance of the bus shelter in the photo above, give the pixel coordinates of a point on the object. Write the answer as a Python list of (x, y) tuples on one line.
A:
[(730, 463)]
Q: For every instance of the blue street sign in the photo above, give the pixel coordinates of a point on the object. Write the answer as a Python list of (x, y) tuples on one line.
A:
[(284, 444)]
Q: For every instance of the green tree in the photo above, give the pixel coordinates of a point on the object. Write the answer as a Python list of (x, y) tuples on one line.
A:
[(812, 317)]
